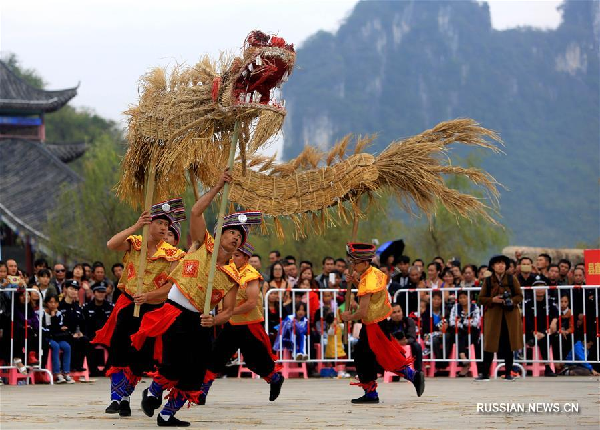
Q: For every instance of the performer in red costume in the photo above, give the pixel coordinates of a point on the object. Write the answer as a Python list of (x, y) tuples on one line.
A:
[(375, 348)]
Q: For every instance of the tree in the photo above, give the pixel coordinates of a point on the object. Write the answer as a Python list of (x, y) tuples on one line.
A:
[(450, 236), (89, 214), (30, 76)]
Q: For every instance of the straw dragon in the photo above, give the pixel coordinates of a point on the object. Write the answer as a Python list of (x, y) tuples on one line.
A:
[(184, 122)]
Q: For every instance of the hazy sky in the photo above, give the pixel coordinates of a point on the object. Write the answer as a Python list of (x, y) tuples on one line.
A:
[(108, 44)]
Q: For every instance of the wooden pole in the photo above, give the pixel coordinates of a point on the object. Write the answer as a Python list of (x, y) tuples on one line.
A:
[(144, 251), (224, 200), (350, 282)]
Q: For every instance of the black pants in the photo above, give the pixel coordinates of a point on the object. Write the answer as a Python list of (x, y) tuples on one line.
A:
[(121, 353), (256, 355), (504, 350), (186, 350), (417, 353), (79, 349), (365, 361)]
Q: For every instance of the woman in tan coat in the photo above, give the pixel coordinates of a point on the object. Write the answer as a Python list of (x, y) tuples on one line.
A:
[(502, 323)]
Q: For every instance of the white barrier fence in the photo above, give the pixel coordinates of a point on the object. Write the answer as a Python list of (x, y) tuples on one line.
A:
[(11, 364), (442, 327)]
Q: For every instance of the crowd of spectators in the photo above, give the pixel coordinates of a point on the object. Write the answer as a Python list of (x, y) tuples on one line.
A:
[(435, 312)]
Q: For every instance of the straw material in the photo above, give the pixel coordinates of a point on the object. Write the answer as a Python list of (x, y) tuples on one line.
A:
[(184, 120), (411, 169)]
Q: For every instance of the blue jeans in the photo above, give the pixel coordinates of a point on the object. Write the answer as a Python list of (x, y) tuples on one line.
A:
[(63, 346)]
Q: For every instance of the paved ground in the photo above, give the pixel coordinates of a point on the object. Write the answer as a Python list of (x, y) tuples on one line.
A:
[(317, 403)]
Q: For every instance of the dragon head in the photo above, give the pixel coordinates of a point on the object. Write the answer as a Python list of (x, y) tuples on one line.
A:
[(253, 81)]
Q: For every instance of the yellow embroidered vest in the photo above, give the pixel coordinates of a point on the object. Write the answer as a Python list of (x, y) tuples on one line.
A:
[(374, 281), (157, 266), (247, 275), (191, 276)]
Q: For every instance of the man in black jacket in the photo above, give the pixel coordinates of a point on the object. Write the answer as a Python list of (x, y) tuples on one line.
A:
[(95, 314), (73, 320), (405, 331)]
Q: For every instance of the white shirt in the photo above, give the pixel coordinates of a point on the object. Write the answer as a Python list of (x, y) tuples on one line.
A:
[(176, 296)]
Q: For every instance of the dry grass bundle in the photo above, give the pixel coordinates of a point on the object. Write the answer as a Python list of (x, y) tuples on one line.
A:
[(184, 119), (411, 169)]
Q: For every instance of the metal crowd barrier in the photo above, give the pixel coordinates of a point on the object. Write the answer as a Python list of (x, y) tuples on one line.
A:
[(446, 328), (11, 365)]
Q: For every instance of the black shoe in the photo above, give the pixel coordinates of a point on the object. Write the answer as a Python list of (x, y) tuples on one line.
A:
[(113, 408), (276, 389), (365, 400), (171, 422), (124, 409), (201, 399), (482, 378), (150, 403), (550, 373), (419, 382)]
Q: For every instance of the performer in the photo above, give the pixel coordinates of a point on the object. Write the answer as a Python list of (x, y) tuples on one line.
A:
[(173, 234), (245, 330), (126, 364), (182, 331), (375, 348)]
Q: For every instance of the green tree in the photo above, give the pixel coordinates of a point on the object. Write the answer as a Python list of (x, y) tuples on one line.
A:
[(448, 236), (89, 214), (30, 76)]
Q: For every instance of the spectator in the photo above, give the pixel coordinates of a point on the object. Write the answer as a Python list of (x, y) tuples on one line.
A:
[(95, 315), (457, 273), (304, 264), (113, 292), (404, 330), (328, 267), (580, 367), (85, 292), (482, 273), (433, 275), (542, 263), (512, 267), (435, 325), (448, 282), (3, 275), (293, 333), (421, 265), (88, 271), (38, 265), (415, 282), (335, 345), (58, 337), (402, 265), (567, 331), (440, 261), (274, 256), (501, 295), (341, 266), (60, 276), (564, 267), (256, 262), (526, 277), (465, 323), (22, 324), (13, 268), (73, 320), (307, 281), (553, 275), (43, 284), (291, 271), (468, 277)]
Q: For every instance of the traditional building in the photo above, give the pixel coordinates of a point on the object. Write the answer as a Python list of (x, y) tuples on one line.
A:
[(31, 171)]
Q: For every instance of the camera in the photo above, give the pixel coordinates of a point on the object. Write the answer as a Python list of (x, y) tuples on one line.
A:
[(508, 303)]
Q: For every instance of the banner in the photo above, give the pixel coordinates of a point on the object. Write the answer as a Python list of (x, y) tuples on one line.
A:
[(592, 266)]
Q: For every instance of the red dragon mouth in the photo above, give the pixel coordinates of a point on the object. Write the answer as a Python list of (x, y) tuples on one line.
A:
[(259, 80)]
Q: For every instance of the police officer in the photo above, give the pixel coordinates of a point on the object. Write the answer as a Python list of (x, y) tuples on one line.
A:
[(73, 320), (95, 314)]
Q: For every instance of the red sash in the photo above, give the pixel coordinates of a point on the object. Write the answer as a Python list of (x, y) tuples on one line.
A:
[(104, 335), (155, 324), (258, 331), (388, 352)]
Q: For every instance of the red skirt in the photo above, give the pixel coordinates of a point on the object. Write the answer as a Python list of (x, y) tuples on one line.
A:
[(155, 324), (104, 335), (389, 354)]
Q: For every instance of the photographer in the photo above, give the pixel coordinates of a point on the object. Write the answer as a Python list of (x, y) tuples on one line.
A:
[(502, 330)]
